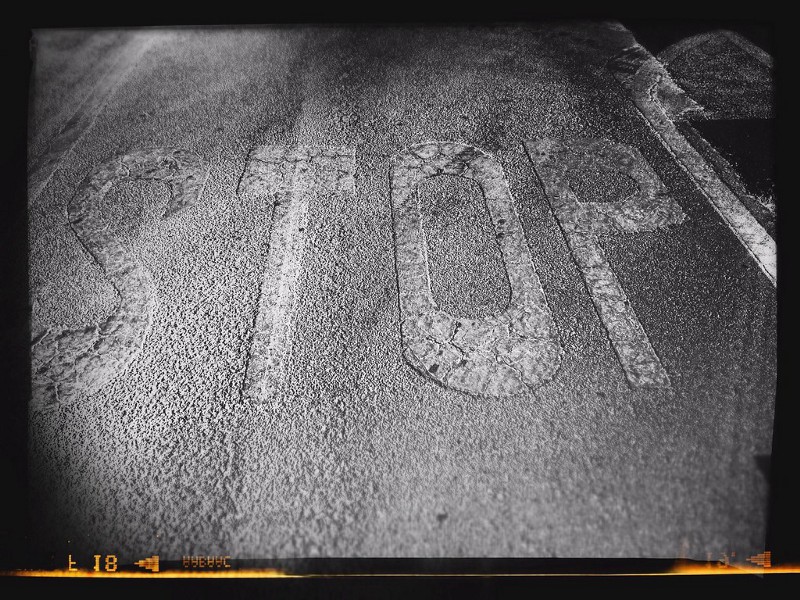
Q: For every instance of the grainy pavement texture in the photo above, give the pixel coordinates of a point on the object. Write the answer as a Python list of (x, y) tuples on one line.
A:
[(398, 291)]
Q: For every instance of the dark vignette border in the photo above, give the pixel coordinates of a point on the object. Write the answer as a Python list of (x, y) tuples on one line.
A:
[(765, 29)]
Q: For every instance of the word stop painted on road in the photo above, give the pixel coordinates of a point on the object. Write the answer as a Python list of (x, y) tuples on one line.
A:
[(496, 355), (293, 177), (582, 222), (71, 363)]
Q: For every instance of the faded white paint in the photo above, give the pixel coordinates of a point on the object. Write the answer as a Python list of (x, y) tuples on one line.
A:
[(496, 355), (71, 363), (293, 177), (581, 222), (647, 85)]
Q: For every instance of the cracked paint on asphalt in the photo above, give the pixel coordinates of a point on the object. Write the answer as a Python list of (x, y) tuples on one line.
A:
[(293, 177), (496, 355), (72, 363), (647, 210)]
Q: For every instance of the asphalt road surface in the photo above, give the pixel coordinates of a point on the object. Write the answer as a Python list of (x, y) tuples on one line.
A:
[(393, 291)]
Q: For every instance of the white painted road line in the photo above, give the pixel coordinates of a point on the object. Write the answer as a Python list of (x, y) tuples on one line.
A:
[(727, 103), (672, 52), (648, 79), (760, 55), (293, 177), (71, 363), (581, 222), (42, 169), (497, 355)]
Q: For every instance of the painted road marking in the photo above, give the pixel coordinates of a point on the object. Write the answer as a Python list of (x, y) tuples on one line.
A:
[(732, 99), (582, 222), (695, 44), (660, 100), (71, 363), (42, 169), (293, 177), (497, 355), (760, 55), (669, 54)]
